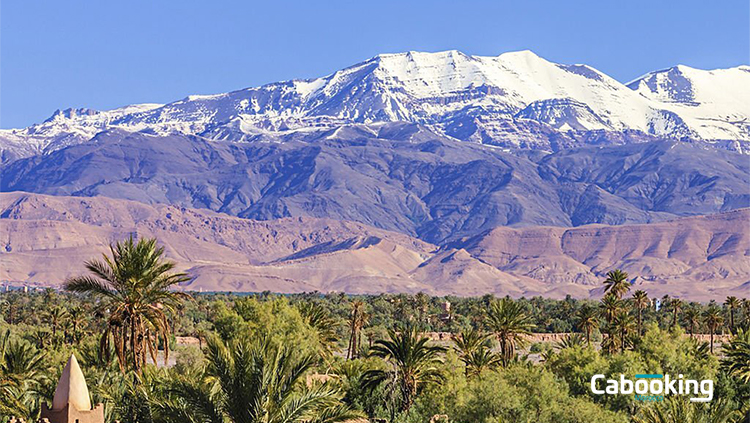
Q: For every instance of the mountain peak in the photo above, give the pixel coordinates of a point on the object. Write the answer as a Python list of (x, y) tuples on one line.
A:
[(422, 58), (526, 54), (512, 99), (415, 60), (725, 92), (71, 113), (412, 54)]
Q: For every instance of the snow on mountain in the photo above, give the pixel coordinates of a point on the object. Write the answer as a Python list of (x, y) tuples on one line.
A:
[(64, 128), (715, 104), (517, 99), (417, 87)]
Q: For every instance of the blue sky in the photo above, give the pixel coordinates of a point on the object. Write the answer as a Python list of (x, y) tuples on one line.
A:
[(107, 54)]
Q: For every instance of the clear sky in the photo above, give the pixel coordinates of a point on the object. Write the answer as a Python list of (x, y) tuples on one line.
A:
[(105, 54)]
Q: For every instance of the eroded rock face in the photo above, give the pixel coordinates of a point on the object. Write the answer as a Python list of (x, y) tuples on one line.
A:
[(414, 181), (48, 238)]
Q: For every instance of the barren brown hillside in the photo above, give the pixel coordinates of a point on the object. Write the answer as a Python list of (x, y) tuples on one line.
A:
[(45, 239)]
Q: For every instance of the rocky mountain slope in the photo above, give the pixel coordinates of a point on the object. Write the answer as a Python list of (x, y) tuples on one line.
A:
[(514, 100), (695, 257), (399, 177), (45, 239), (405, 172)]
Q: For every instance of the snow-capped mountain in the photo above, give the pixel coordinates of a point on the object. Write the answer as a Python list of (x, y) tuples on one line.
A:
[(714, 104), (515, 100)]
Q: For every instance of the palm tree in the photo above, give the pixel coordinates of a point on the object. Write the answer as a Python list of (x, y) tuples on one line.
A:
[(665, 300), (611, 307), (11, 306), (54, 316), (737, 356), (474, 350), (713, 321), (699, 350), (479, 360), (10, 404), (40, 338), (471, 340), (77, 319), (676, 410), (250, 382), (318, 318), (692, 317), (732, 303), (422, 303), (675, 305), (640, 301), (570, 341), (588, 321), (133, 286), (357, 320), (623, 325), (509, 323), (22, 374), (412, 363), (617, 283)]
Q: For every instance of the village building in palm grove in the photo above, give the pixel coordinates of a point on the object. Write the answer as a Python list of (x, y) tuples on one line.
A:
[(71, 402)]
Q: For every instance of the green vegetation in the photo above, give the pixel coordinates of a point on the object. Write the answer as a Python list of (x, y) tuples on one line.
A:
[(134, 286), (332, 357), (249, 381)]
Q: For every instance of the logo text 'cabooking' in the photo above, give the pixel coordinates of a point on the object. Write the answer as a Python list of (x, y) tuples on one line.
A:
[(653, 387)]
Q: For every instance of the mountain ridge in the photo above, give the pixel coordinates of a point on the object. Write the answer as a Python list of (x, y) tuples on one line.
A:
[(514, 100), (399, 177), (47, 238), (404, 173)]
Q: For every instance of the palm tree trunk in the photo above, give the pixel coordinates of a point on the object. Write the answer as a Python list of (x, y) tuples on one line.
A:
[(506, 350), (355, 354), (142, 343), (120, 342), (351, 342), (133, 346), (640, 320), (409, 393)]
